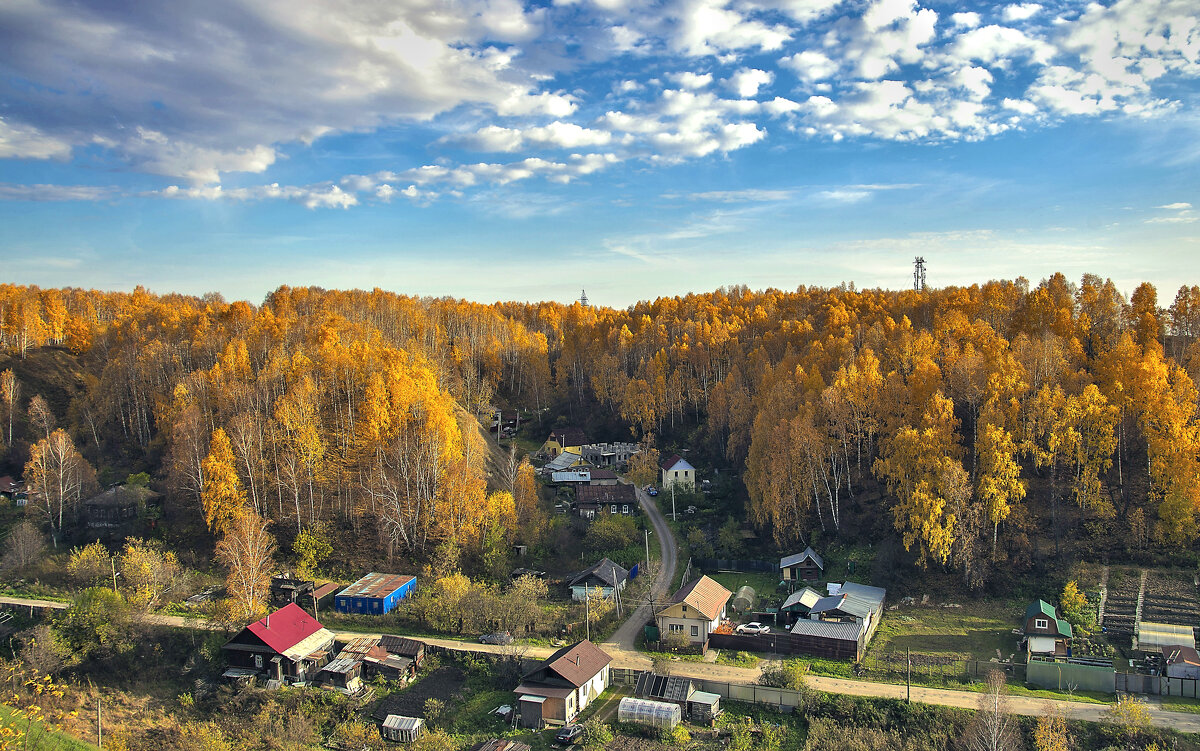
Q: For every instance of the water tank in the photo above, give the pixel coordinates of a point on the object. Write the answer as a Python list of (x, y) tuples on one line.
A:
[(743, 601)]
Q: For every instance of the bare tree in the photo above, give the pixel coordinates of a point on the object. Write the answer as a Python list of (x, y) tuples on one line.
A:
[(10, 389), (41, 416), (246, 551), (22, 546), (993, 728), (59, 478)]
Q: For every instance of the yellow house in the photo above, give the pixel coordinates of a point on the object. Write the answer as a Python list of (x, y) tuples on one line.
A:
[(565, 439), (695, 611)]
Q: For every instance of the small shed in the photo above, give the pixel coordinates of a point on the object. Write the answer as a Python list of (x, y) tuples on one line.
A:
[(655, 714), (806, 566), (375, 593), (402, 729), (743, 601), (1182, 661), (704, 706)]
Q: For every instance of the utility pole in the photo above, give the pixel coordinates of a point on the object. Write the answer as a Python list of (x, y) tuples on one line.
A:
[(908, 676), (674, 518), (113, 561), (99, 727), (647, 549), (587, 604), (616, 590)]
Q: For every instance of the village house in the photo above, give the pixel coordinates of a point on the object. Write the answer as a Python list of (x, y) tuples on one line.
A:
[(286, 590), (677, 472), (851, 603), (561, 686), (565, 439), (602, 477), (1182, 661), (119, 506), (1045, 633), (695, 611), (287, 646), (374, 593), (564, 460), (396, 658), (799, 604), (9, 487), (591, 500), (600, 579), (806, 566)]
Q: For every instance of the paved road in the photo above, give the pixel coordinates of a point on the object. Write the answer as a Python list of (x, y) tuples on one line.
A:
[(624, 638)]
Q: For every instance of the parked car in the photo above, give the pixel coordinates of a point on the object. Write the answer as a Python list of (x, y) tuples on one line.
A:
[(753, 629), (502, 638), (569, 733), (651, 490)]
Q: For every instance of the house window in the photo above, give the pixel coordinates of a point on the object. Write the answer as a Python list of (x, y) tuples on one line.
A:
[(625, 508), (695, 630), (258, 663), (1041, 623), (676, 628), (614, 508)]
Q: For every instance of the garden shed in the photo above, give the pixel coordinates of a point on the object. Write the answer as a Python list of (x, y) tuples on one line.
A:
[(655, 714), (400, 728), (704, 706)]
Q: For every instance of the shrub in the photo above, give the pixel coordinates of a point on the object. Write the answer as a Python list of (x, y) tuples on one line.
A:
[(596, 734), (790, 674)]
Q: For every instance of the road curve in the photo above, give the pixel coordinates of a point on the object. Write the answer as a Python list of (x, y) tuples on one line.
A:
[(624, 638)]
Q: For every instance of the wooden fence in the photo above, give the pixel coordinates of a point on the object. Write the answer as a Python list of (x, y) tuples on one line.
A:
[(788, 644)]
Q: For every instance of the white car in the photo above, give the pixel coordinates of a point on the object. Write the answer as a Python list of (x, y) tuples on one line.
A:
[(753, 629)]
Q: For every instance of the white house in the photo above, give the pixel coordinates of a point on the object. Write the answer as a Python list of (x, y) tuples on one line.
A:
[(558, 689), (676, 471), (695, 611)]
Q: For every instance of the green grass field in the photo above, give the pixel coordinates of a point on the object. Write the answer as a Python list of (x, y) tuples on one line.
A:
[(975, 631)]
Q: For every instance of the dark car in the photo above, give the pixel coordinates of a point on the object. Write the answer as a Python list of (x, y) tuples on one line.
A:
[(569, 733), (503, 638), (651, 491)]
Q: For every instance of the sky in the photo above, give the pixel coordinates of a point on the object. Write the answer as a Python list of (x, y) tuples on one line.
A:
[(509, 150)]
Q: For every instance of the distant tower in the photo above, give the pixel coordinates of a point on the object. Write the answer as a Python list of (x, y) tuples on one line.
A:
[(919, 274), (583, 298)]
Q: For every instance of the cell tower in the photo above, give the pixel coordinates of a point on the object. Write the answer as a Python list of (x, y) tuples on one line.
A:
[(919, 274), (583, 298)]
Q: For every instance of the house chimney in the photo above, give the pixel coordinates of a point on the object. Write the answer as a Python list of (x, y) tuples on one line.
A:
[(267, 620)]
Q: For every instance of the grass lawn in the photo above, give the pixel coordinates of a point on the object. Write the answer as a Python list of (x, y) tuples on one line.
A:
[(1180, 704), (975, 631), (764, 584), (43, 740)]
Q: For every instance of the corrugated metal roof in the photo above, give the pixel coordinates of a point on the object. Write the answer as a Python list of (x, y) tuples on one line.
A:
[(287, 628), (806, 597), (577, 663), (808, 553), (376, 585), (873, 595), (829, 629), (704, 697), (340, 665), (605, 570), (562, 461), (676, 462)]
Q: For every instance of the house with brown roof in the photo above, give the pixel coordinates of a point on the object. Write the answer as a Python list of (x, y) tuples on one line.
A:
[(565, 439), (1182, 661), (591, 500), (695, 610), (557, 690), (677, 471)]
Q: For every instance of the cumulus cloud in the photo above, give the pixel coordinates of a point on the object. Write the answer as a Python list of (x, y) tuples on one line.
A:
[(1021, 11), (311, 197), (811, 65), (747, 81), (706, 27)]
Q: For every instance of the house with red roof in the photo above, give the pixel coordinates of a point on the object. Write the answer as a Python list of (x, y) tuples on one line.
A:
[(288, 646), (677, 471)]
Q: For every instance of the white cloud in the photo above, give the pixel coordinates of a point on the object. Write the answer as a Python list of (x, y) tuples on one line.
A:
[(844, 196), (1177, 206), (50, 192), (811, 65), (750, 195), (311, 197), (1021, 12), (707, 27), (26, 142), (968, 20), (747, 81), (1180, 212), (889, 34), (998, 45), (690, 80)]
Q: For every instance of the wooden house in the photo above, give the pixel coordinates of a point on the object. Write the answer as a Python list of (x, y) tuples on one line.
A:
[(119, 507), (9, 487), (562, 685), (286, 590), (401, 729), (799, 604), (565, 439), (343, 674), (288, 646), (806, 566), (676, 471), (591, 500), (602, 578), (1045, 633), (374, 593), (695, 610)]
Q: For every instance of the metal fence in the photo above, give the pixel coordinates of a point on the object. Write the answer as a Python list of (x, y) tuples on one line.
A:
[(735, 564), (1157, 685), (929, 667)]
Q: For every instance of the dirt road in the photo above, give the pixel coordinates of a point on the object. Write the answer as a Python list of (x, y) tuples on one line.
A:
[(624, 638)]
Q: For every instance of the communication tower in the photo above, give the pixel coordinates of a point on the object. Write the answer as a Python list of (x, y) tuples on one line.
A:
[(583, 298), (919, 274)]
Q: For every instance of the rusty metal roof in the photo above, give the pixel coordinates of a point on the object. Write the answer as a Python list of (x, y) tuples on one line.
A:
[(376, 585)]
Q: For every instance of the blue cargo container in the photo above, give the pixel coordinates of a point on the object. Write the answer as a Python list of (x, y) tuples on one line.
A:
[(374, 594)]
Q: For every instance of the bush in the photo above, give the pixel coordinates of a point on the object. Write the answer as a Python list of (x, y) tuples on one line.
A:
[(596, 734), (790, 674), (676, 736)]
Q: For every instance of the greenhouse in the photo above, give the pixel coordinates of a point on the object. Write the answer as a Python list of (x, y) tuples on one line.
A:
[(655, 714)]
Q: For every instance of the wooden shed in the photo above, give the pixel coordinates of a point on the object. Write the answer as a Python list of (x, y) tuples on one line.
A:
[(402, 729)]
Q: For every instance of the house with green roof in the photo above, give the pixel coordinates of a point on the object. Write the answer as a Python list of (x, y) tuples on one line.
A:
[(1045, 632)]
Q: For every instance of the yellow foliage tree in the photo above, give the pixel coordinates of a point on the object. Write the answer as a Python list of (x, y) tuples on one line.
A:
[(246, 551), (222, 495)]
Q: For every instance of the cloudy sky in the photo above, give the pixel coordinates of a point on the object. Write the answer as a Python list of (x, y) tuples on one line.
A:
[(500, 149)]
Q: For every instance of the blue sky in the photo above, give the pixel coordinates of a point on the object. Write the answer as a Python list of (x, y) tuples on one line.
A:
[(495, 149)]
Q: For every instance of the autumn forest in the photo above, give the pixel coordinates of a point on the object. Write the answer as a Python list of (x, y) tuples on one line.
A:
[(977, 426)]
